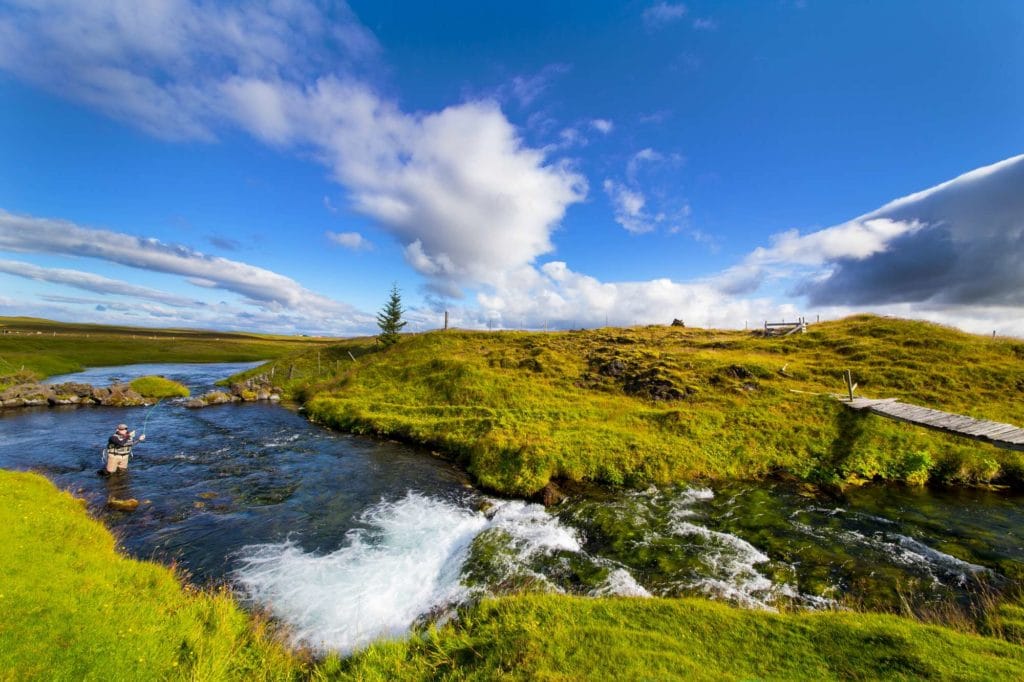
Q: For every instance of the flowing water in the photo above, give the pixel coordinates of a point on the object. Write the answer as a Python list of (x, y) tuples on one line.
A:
[(347, 539)]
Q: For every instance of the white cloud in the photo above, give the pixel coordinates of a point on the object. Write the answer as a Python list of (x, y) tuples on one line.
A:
[(350, 240), (705, 24), (91, 282), (554, 296), (172, 68), (951, 253), (647, 155), (527, 89), (663, 13), (629, 205), (602, 125), (264, 288), (856, 239), (459, 183)]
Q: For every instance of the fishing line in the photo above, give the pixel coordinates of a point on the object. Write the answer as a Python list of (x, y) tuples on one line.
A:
[(149, 412)]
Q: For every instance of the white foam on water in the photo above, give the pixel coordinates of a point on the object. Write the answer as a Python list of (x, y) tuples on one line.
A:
[(687, 498), (532, 529), (620, 583), (913, 551), (731, 561), (405, 564), (282, 441)]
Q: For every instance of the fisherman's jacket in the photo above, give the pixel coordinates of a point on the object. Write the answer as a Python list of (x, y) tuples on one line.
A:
[(117, 445)]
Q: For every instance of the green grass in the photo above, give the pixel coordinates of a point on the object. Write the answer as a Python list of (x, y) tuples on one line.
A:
[(159, 387), (76, 609), (32, 349), (520, 408), (547, 637)]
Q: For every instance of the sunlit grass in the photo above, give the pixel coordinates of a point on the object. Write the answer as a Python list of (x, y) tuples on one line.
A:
[(159, 387), (74, 608), (521, 408)]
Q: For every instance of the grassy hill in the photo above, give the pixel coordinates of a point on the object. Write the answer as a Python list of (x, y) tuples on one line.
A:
[(659, 404), (32, 349)]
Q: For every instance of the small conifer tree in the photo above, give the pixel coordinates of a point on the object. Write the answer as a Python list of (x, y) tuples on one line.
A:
[(390, 318)]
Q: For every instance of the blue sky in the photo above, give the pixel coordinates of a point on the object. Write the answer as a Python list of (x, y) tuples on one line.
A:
[(276, 166)]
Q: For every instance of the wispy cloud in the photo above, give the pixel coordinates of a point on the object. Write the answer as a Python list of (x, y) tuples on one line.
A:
[(224, 243), (527, 89), (628, 205), (264, 288), (602, 125), (91, 282), (705, 24), (350, 240), (663, 13)]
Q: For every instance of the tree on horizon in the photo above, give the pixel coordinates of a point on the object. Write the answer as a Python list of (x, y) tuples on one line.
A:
[(390, 318)]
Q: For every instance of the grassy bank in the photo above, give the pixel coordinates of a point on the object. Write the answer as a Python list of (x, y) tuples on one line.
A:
[(659, 404), (545, 637), (32, 349), (76, 609)]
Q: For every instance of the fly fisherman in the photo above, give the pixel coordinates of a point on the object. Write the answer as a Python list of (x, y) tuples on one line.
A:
[(119, 449)]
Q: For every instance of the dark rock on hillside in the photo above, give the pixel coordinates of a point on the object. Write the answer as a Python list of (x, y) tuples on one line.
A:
[(550, 495)]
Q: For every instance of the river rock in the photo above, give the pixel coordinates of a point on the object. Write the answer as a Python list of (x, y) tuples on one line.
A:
[(123, 395), (130, 504), (550, 495), (28, 394), (216, 398)]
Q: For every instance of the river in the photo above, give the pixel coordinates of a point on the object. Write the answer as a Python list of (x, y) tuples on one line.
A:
[(347, 539)]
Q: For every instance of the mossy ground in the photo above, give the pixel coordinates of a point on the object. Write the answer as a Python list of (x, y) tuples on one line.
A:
[(75, 609), (159, 387), (662, 404)]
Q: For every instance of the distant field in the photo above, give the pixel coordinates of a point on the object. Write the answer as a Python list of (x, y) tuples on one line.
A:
[(32, 349)]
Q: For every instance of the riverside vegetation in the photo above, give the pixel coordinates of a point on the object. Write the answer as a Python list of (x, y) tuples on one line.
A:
[(662, 404), (615, 406)]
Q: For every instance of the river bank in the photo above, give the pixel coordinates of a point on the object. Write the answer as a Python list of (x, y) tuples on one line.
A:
[(245, 476), (146, 625), (664, 404)]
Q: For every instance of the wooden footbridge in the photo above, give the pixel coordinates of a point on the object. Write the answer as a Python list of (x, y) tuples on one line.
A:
[(1001, 435)]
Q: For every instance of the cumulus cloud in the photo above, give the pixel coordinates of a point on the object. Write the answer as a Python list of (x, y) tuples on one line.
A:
[(602, 125), (350, 240), (459, 184), (555, 296), (663, 13)]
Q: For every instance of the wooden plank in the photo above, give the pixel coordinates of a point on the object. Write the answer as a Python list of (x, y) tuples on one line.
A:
[(999, 434)]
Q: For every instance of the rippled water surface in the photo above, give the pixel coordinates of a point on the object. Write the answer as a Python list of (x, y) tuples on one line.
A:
[(348, 539)]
